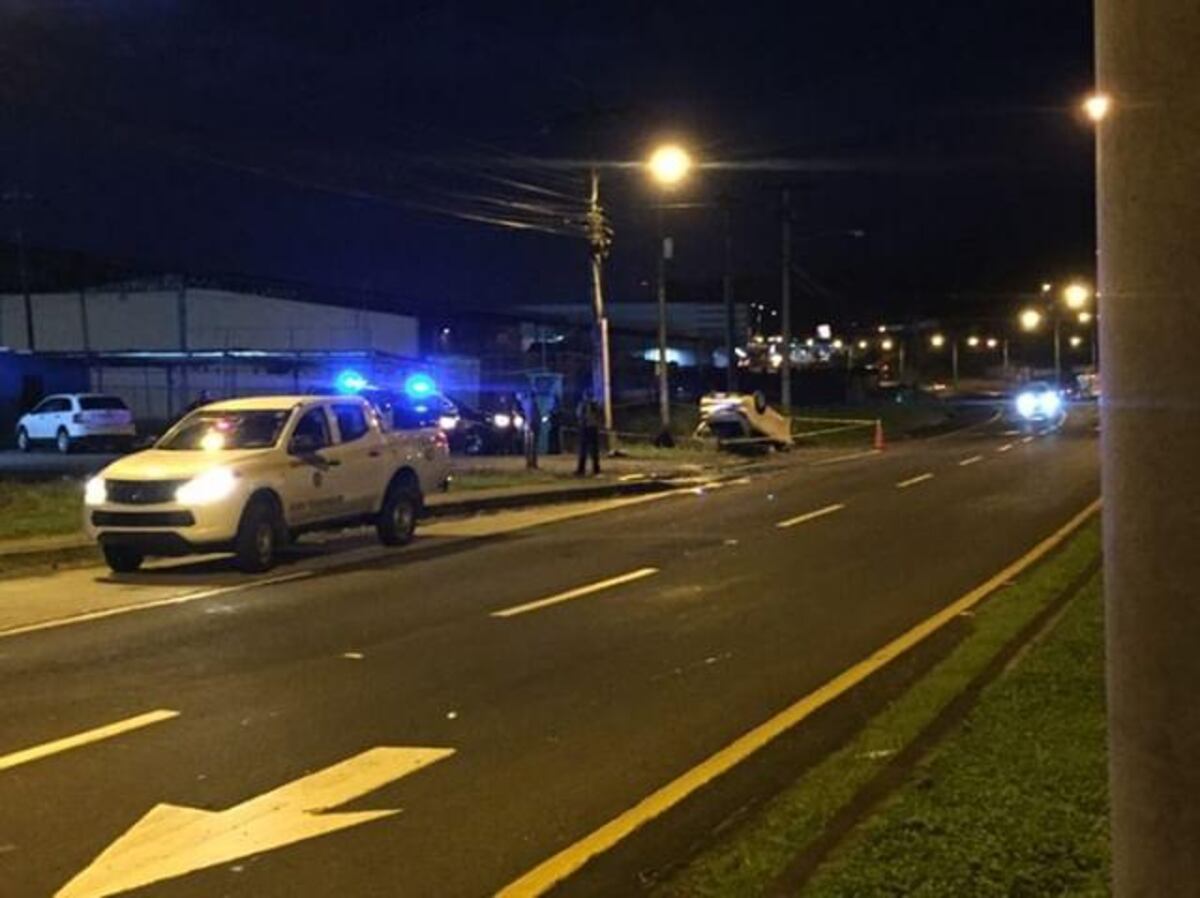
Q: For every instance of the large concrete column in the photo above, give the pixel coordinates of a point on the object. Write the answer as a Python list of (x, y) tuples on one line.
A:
[(1149, 226)]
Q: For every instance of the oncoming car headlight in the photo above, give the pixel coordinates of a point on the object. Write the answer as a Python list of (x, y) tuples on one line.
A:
[(1027, 405), (501, 420), (96, 492), (1050, 403), (448, 422), (207, 488)]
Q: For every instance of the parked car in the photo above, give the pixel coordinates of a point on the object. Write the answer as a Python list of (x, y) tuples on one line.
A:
[(247, 475), (70, 420)]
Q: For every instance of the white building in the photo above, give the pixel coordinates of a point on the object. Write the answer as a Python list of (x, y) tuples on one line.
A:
[(195, 339)]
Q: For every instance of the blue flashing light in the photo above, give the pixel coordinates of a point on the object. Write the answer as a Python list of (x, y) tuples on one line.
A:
[(350, 381), (419, 386)]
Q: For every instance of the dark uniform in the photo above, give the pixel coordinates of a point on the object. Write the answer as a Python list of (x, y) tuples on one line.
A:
[(587, 414)]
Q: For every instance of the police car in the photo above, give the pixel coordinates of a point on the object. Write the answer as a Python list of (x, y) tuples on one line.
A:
[(247, 475)]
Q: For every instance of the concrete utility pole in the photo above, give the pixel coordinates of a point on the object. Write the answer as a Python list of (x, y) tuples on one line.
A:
[(1148, 60), (664, 374), (785, 301), (599, 241)]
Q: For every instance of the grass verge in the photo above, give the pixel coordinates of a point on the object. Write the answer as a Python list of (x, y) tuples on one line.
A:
[(754, 856), (40, 509), (1015, 803)]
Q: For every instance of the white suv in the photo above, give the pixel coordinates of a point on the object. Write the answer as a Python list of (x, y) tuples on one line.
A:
[(246, 475), (68, 420)]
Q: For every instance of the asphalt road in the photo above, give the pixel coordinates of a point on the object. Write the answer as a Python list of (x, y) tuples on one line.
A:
[(551, 720)]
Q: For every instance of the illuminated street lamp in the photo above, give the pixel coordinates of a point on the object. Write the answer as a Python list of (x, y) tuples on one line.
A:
[(1097, 106), (992, 343), (973, 342), (1031, 320), (669, 165), (937, 341), (1076, 295), (863, 344), (1047, 287), (1085, 317), (887, 345), (1076, 341)]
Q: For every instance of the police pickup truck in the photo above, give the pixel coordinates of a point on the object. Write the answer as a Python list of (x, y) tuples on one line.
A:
[(248, 475)]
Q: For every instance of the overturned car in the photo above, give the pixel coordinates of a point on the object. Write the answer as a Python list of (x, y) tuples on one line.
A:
[(743, 421)]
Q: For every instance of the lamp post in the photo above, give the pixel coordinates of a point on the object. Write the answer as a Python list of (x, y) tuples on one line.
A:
[(668, 165)]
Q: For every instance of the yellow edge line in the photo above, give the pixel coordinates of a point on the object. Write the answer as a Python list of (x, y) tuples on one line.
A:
[(108, 731), (102, 613), (545, 875), (812, 515), (576, 593)]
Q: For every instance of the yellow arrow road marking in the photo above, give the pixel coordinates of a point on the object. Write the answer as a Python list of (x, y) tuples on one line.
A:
[(171, 841)]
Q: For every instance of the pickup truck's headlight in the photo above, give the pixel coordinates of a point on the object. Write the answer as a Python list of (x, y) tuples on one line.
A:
[(1051, 403), (96, 492), (1027, 405), (207, 488)]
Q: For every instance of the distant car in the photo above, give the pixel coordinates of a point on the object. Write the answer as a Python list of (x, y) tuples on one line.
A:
[(68, 420), (738, 419), (1039, 402), (476, 432)]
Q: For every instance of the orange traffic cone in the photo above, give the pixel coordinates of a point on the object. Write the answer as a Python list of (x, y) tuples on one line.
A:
[(879, 444)]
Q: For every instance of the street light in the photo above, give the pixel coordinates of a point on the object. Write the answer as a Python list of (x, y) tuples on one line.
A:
[(1097, 106), (973, 342), (887, 345), (992, 343), (1076, 295), (937, 341), (669, 165), (1076, 341), (863, 344), (1085, 317), (1031, 319)]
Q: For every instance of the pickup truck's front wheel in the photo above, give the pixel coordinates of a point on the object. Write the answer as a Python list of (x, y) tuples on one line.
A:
[(257, 540), (398, 517)]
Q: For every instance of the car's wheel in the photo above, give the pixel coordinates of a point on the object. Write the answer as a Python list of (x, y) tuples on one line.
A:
[(257, 540), (122, 559), (22, 439), (62, 441), (398, 516)]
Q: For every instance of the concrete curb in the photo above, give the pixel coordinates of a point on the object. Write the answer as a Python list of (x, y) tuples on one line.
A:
[(38, 552)]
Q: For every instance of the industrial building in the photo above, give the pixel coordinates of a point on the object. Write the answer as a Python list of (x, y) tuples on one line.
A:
[(161, 343)]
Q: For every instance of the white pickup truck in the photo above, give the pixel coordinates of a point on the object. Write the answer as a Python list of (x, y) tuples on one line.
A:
[(248, 475)]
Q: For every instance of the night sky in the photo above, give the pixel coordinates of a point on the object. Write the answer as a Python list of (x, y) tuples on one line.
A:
[(358, 145)]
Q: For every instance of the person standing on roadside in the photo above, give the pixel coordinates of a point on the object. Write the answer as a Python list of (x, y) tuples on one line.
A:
[(587, 416), (533, 430)]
